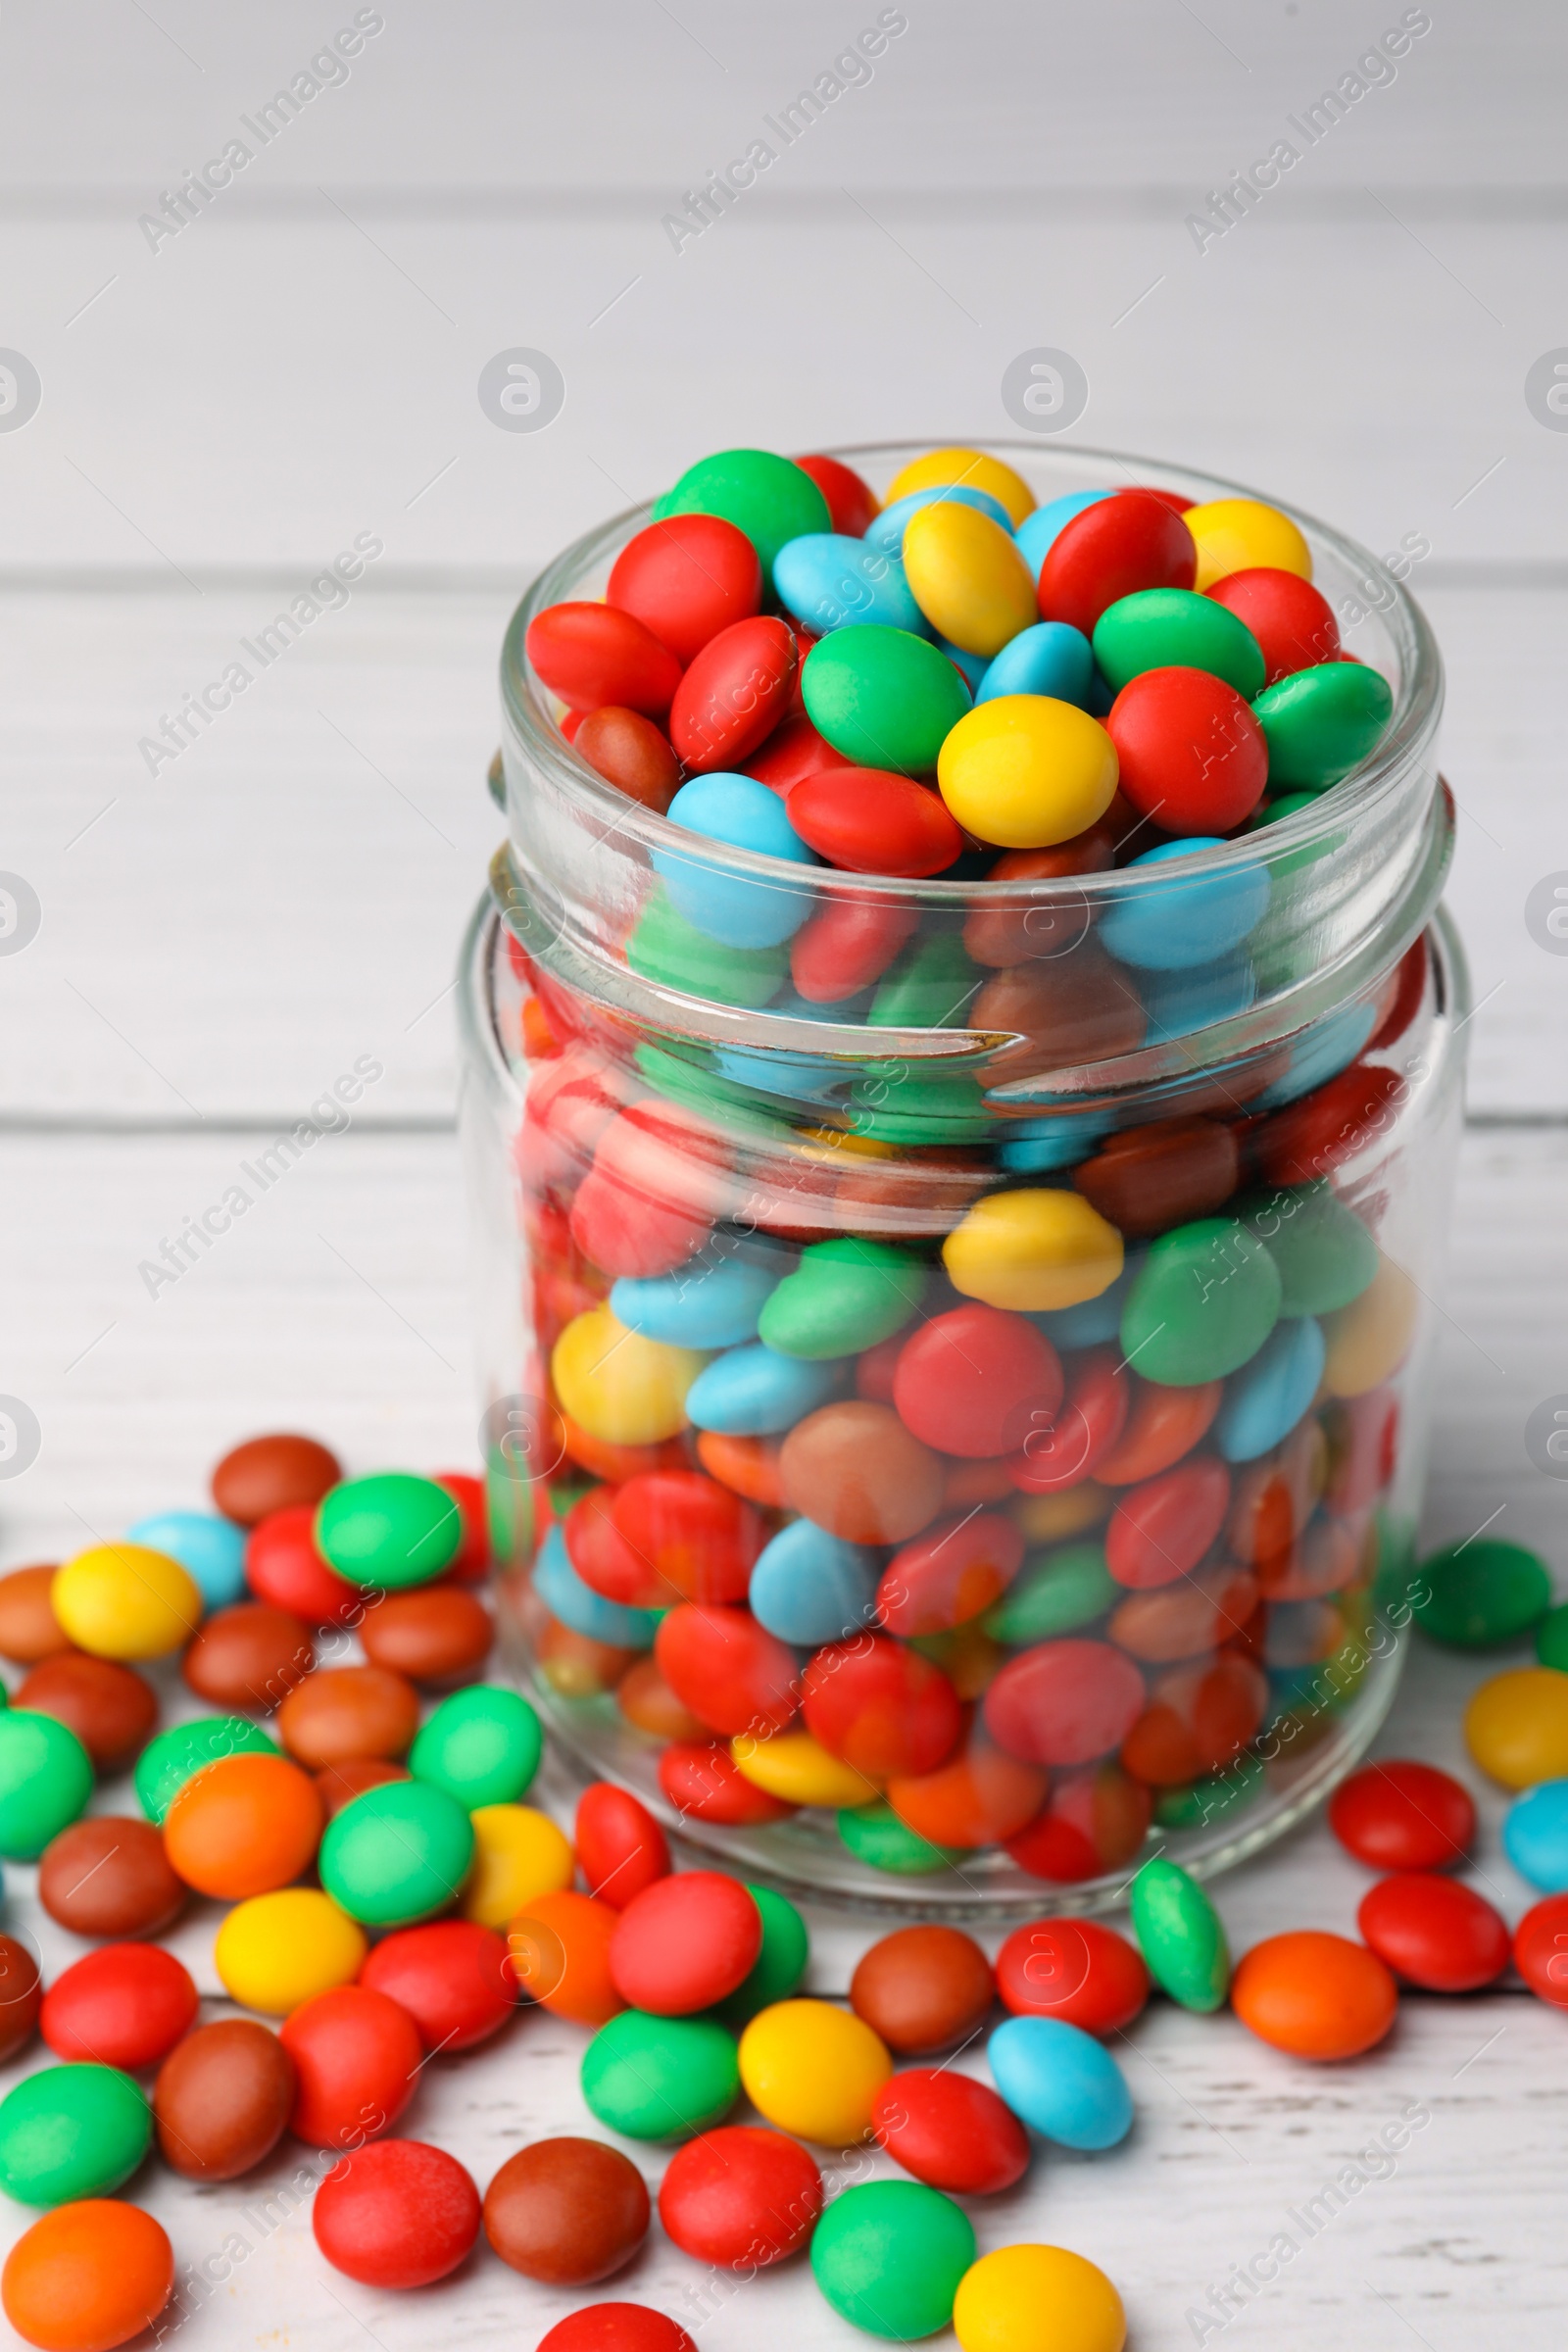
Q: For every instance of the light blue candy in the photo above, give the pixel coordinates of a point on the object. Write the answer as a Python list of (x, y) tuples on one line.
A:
[(830, 582), (713, 1302), (755, 1391), (1034, 1147), (1060, 2081), (793, 1077), (887, 530), (1534, 1835), (809, 1586), (1093, 1321), (1196, 918), (567, 1597), (1051, 658), (1266, 1399), (209, 1549), (1038, 530), (1328, 1047), (1178, 1002), (729, 907), (972, 665)]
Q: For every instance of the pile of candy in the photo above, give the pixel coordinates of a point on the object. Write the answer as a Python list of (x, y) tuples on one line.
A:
[(440, 1902), (987, 1480)]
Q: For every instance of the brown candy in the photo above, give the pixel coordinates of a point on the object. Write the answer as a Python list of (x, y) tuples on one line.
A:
[(272, 1474), (247, 1660), (221, 2099), (108, 1874), (1023, 927), (1148, 1179), (567, 2211), (20, 1996), (923, 1988), (29, 1630), (905, 1198), (1068, 1008), (112, 1709), (340, 1783), (857, 1471), (646, 1699), (631, 753), (1186, 1618), (431, 1636), (348, 1711)]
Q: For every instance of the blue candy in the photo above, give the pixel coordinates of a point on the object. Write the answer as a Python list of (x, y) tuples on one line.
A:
[(1328, 1047), (809, 1586), (1060, 2081), (1196, 918), (1037, 531), (1093, 1321), (1034, 1147), (887, 530), (1534, 1835), (711, 1301), (1053, 658), (1178, 1002), (745, 815), (1265, 1399), (830, 582), (211, 1550), (564, 1595), (755, 1391)]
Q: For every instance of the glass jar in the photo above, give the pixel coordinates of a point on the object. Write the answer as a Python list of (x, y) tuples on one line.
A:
[(956, 1353)]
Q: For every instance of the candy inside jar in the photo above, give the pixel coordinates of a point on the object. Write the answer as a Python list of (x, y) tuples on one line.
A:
[(954, 1324)]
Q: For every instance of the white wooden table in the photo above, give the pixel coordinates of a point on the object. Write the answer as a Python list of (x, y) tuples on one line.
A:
[(298, 365)]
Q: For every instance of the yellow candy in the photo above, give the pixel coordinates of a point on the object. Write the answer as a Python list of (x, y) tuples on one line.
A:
[(939, 466), (618, 1386), (123, 1600), (813, 2069), (968, 577), (1026, 771), (1037, 2299), (1369, 1339), (1516, 1727), (795, 1768), (517, 1853), (1234, 534), (279, 1949), (1035, 1250), (1053, 1518)]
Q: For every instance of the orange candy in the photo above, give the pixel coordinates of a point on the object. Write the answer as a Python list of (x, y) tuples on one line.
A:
[(1199, 1719), (748, 1466), (978, 1798), (1315, 1995), (646, 1699), (244, 1826), (560, 1948), (88, 2277), (1163, 1425)]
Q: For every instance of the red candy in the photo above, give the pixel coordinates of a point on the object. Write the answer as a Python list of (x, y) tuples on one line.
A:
[(633, 1212), (1410, 984), (949, 1574), (696, 1535), (358, 2057), (887, 1711), (1433, 1932), (1293, 622), (1086, 1431), (847, 945), (1164, 1527), (399, 2214), (1199, 1719), (875, 822), (1191, 755), (1162, 1425), (708, 1782), (731, 1672), (1112, 549), (734, 694), (605, 1561), (616, 2328), (740, 2197), (794, 750), (1540, 1949), (1403, 1816), (1064, 1702), (126, 2005), (950, 2131), (1308, 1138), (282, 1566), (977, 1381), (472, 1563), (851, 505), (685, 1943), (621, 1846), (685, 579), (452, 1977), (1074, 1969), (591, 654), (1092, 1821)]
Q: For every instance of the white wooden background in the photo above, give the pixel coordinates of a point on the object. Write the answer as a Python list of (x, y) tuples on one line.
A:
[(299, 365)]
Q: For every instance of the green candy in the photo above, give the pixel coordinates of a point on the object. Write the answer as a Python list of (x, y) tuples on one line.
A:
[(932, 988), (766, 497), (1180, 1936), (714, 1098), (778, 1967), (889, 2256), (45, 1780), (1321, 722), (875, 1835), (395, 1854), (845, 1295), (1269, 813), (482, 1746), (1062, 1590), (168, 1762), (1207, 1299), (1551, 1639), (660, 2078), (390, 1530), (1212, 1798), (883, 697), (1473, 1596), (665, 947), (1173, 628), (1325, 1255), (71, 2131), (896, 1104)]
